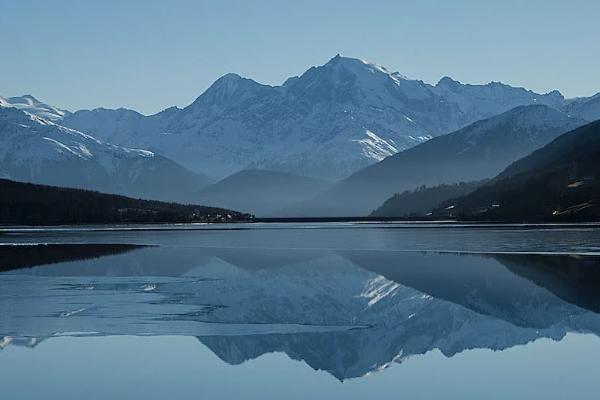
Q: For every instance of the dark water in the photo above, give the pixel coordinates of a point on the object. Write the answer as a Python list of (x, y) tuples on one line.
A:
[(300, 311)]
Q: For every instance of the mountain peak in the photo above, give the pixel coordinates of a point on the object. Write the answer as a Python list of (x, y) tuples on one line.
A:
[(230, 77), (231, 89), (228, 82), (555, 93), (335, 58), (447, 81), (355, 64), (24, 101), (27, 99), (231, 82), (33, 106), (340, 59)]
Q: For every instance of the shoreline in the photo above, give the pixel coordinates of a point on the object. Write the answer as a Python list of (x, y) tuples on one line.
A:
[(338, 223)]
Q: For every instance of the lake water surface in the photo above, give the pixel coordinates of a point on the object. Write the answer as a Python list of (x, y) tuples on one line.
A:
[(297, 311)]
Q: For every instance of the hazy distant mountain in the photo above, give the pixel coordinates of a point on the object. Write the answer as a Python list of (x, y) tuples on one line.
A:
[(33, 149), (327, 123), (559, 181), (34, 106), (478, 151), (587, 108), (260, 192)]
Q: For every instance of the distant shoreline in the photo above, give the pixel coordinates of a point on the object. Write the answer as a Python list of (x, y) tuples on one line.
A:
[(292, 223)]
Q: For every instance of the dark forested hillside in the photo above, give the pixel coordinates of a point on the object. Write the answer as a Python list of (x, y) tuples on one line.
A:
[(30, 204), (560, 181), (420, 202)]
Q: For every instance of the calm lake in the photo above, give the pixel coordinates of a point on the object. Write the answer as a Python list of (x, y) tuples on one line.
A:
[(298, 311)]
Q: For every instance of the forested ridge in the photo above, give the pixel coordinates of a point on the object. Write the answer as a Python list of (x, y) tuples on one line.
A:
[(31, 204)]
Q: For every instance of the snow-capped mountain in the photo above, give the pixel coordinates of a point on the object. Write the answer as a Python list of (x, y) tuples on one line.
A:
[(34, 149), (34, 106), (327, 123)]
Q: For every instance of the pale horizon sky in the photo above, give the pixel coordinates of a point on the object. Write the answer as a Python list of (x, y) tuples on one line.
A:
[(152, 55)]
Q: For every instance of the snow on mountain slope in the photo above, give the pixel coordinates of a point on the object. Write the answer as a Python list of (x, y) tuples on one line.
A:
[(33, 106), (327, 123), (36, 150)]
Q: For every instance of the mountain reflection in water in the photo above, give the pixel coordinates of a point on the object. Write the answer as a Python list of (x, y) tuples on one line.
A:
[(342, 311)]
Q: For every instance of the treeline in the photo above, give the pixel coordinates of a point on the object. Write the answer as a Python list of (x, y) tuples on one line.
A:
[(30, 204), (545, 197), (422, 200)]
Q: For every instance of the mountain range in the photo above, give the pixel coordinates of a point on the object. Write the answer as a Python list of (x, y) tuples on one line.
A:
[(327, 123), (373, 132)]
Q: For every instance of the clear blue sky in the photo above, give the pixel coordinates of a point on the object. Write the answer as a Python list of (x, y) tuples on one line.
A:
[(149, 55)]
